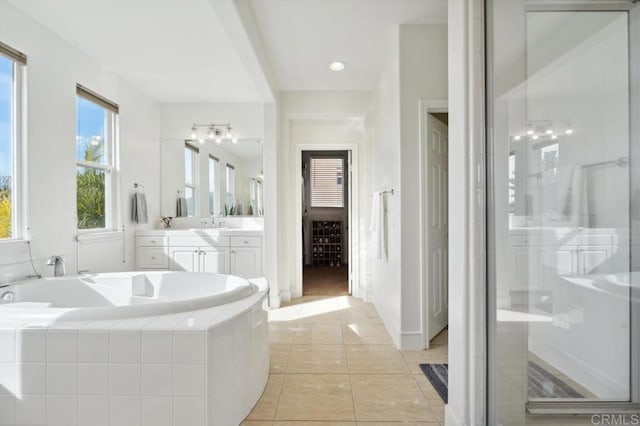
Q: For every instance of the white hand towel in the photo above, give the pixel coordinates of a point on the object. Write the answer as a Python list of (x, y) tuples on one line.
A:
[(139, 214), (377, 242)]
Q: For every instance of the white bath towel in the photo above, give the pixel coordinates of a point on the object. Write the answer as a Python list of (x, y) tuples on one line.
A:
[(377, 238)]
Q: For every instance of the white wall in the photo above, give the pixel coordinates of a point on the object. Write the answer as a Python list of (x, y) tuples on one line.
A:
[(385, 276), (423, 75), (53, 69), (331, 118)]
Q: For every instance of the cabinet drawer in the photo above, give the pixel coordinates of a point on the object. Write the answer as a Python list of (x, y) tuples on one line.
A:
[(199, 241), (246, 242), (158, 241), (151, 258)]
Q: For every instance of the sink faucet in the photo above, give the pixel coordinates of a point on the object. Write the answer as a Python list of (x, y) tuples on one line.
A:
[(58, 265), (213, 221)]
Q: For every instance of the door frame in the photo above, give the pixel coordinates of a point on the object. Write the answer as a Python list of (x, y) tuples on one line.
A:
[(425, 107), (353, 227)]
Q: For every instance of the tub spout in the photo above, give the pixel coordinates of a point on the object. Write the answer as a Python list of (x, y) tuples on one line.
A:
[(58, 265)]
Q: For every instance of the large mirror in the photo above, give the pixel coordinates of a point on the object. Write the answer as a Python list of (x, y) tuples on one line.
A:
[(209, 178)]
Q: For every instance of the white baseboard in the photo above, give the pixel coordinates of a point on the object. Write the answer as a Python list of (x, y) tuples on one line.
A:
[(285, 296), (411, 341)]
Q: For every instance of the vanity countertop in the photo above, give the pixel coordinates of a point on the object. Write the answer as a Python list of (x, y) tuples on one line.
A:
[(222, 232)]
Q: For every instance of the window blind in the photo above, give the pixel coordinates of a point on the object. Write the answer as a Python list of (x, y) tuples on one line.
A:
[(327, 182), (96, 98), (13, 54)]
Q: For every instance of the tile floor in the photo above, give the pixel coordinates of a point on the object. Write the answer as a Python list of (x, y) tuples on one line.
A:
[(333, 363)]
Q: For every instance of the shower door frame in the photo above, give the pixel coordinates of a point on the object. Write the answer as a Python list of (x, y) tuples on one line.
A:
[(550, 408)]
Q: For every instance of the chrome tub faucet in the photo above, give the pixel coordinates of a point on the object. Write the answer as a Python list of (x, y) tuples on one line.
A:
[(58, 265)]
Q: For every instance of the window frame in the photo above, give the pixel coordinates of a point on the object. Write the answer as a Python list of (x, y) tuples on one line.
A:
[(230, 192), (19, 227), (110, 166), (214, 184), (195, 152)]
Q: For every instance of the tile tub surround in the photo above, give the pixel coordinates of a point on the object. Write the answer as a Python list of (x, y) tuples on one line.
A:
[(196, 368)]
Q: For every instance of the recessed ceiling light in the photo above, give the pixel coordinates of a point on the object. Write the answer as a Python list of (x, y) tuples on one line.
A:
[(337, 66)]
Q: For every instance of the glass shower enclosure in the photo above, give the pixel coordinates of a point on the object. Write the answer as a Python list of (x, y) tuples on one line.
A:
[(563, 208)]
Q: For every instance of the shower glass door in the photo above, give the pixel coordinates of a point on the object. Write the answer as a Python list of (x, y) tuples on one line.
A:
[(561, 223)]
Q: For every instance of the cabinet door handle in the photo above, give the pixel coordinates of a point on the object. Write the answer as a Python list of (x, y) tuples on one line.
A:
[(153, 258), (153, 241), (246, 242)]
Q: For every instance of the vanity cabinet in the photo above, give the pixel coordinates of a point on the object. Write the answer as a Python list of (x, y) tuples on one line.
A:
[(237, 253), (245, 257), (199, 259)]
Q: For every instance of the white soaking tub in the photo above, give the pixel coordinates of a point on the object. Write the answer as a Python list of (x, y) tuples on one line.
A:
[(134, 348)]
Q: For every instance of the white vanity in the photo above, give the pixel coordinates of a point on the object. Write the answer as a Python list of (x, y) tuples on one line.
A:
[(221, 250)]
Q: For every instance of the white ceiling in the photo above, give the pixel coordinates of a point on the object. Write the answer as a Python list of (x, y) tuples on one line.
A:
[(303, 36), (172, 50)]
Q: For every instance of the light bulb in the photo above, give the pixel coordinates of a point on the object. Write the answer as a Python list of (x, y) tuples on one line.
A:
[(548, 132), (554, 137), (228, 135), (569, 131), (218, 141), (534, 137), (530, 132), (194, 133), (517, 138), (212, 133), (337, 66), (201, 140), (234, 140)]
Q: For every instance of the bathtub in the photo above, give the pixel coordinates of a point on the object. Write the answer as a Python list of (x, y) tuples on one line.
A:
[(131, 349)]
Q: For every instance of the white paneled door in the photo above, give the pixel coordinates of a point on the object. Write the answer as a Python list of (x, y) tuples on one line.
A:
[(437, 227)]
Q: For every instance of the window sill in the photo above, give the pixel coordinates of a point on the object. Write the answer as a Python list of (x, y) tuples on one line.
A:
[(98, 236)]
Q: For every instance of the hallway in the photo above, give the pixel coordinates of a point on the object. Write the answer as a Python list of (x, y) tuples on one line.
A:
[(333, 362)]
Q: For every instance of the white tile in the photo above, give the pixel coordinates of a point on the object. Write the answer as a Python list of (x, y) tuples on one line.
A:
[(189, 411), (125, 379), (157, 379), (31, 345), (166, 322), (62, 379), (157, 411), (7, 378), (62, 346), (31, 378), (189, 380), (31, 410), (124, 346), (62, 411), (93, 346), (157, 347), (189, 347), (93, 379), (93, 411), (7, 345), (134, 324), (124, 411), (7, 410)]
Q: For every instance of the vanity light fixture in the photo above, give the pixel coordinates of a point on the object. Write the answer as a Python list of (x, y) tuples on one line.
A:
[(569, 131), (216, 132), (517, 137), (337, 66)]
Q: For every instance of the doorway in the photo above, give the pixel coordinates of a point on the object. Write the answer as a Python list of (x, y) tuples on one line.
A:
[(435, 227), (325, 222)]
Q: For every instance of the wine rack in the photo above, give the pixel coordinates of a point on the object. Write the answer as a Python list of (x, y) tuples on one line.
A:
[(326, 247)]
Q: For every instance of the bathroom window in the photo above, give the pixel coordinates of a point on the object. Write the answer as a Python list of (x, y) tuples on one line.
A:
[(190, 177), (327, 182), (214, 164), (231, 191), (96, 160), (12, 64)]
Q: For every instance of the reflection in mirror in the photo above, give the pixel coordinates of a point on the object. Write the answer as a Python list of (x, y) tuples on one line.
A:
[(211, 179)]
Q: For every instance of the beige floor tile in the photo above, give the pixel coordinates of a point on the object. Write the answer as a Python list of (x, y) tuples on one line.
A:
[(256, 423), (303, 423), (315, 397), (334, 317), (436, 354), (375, 359), (428, 390), (279, 357), (396, 423), (265, 409), (318, 359), (318, 334), (281, 333), (389, 398), (441, 338), (363, 333)]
